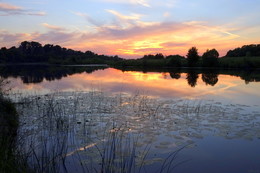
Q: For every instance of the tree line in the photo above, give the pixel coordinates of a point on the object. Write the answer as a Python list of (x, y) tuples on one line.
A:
[(210, 59), (34, 52), (246, 50)]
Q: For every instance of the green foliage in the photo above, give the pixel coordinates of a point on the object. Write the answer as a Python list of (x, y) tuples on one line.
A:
[(210, 58), (192, 56)]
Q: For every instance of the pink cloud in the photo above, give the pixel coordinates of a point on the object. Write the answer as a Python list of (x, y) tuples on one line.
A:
[(52, 27), (9, 9)]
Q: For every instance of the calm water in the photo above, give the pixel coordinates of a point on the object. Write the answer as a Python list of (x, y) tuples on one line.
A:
[(214, 114)]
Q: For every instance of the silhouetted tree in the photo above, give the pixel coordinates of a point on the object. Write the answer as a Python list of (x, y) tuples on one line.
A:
[(210, 58), (192, 56)]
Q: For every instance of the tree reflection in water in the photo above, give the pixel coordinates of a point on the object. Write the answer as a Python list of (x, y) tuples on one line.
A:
[(210, 77), (192, 77), (38, 73)]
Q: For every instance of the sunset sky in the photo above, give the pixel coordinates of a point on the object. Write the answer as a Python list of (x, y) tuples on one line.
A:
[(132, 28)]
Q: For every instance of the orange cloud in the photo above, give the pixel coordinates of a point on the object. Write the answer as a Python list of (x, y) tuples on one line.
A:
[(5, 6)]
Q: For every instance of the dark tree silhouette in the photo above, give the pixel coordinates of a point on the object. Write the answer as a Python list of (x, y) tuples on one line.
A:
[(150, 56), (192, 56), (159, 56), (174, 60), (192, 78), (246, 50), (210, 58), (35, 52)]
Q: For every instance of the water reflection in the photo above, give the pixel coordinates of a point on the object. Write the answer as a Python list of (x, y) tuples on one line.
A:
[(175, 75), (192, 77), (226, 85), (210, 77), (38, 73)]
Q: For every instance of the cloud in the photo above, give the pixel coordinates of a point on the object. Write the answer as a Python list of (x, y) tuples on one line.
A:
[(124, 21), (151, 50), (40, 13), (57, 37), (123, 17), (136, 38), (9, 9), (173, 44), (9, 39), (88, 18), (52, 27), (144, 3)]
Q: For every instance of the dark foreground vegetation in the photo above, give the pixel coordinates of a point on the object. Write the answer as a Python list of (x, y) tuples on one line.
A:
[(9, 122), (246, 57)]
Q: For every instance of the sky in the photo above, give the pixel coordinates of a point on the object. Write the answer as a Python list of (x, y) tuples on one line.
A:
[(132, 28)]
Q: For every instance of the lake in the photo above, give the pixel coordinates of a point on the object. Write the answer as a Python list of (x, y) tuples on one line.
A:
[(93, 118)]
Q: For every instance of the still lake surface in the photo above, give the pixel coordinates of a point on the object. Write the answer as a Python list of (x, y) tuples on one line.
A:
[(214, 116)]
